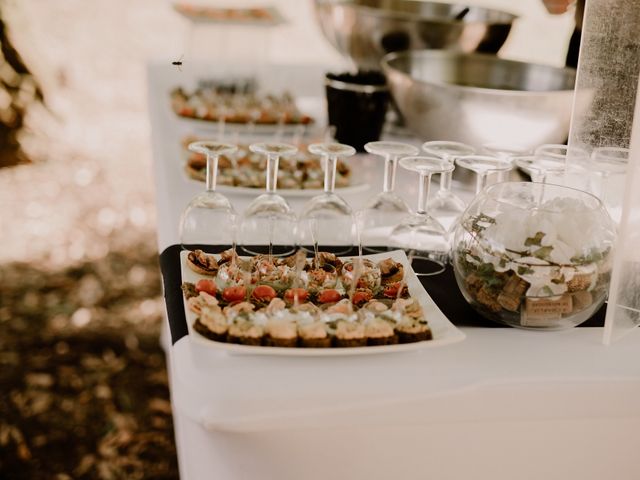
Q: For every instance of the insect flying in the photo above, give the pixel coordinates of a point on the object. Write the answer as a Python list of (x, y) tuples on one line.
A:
[(178, 63)]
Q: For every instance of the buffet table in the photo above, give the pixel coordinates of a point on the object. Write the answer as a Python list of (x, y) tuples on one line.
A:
[(502, 404)]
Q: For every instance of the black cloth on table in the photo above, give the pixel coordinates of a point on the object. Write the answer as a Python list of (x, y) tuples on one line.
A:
[(442, 288)]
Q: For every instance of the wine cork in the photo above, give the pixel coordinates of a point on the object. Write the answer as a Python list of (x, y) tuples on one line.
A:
[(511, 295), (581, 300), (488, 300), (580, 281), (548, 308)]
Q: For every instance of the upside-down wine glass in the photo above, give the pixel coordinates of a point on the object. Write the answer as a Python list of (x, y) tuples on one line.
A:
[(269, 220), (446, 204), (571, 158), (385, 210), (505, 151), (424, 238), (327, 221), (537, 168), (482, 166), (209, 218)]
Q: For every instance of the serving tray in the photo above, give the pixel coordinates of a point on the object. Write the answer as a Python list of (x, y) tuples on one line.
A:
[(444, 332)]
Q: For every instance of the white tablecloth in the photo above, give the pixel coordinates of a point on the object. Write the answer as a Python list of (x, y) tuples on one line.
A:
[(503, 404)]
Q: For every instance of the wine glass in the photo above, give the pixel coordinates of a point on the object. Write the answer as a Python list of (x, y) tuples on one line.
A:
[(505, 151), (385, 210), (327, 220), (425, 238), (571, 158), (559, 151), (539, 168), (446, 204), (269, 220), (209, 218), (483, 165)]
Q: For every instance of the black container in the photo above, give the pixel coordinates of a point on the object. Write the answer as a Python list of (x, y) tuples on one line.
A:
[(357, 105)]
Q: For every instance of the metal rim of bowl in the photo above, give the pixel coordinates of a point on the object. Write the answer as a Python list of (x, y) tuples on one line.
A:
[(355, 87), (412, 17), (388, 68)]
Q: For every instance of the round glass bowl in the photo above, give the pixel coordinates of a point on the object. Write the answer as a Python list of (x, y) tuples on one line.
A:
[(533, 255)]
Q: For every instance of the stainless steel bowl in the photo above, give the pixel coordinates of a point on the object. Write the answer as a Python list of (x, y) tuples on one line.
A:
[(366, 30), (479, 99)]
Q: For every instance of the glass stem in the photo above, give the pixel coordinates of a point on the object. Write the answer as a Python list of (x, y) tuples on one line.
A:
[(330, 174), (481, 181), (212, 171), (271, 222), (445, 181), (423, 193), (272, 172), (390, 166), (313, 224)]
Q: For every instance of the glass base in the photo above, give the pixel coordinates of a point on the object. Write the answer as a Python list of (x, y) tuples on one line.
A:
[(424, 265), (338, 250), (209, 248), (426, 242), (276, 250), (377, 249)]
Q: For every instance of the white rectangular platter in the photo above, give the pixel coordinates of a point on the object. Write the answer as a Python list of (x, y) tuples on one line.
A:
[(444, 332)]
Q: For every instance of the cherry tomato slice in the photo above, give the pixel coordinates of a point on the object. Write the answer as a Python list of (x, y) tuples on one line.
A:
[(361, 296), (290, 295), (234, 294), (264, 293), (391, 290), (329, 296), (206, 285)]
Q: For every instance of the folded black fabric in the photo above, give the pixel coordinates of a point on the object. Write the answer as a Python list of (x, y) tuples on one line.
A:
[(442, 288)]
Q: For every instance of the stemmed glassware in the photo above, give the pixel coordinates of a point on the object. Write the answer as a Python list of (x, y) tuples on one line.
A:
[(386, 209), (446, 204), (209, 218), (505, 151), (424, 238), (559, 152), (552, 159), (327, 222), (483, 165), (539, 168), (269, 220)]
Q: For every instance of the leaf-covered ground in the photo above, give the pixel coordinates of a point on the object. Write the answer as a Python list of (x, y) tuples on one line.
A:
[(84, 390)]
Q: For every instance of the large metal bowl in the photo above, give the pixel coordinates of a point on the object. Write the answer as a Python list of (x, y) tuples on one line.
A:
[(366, 30), (478, 99)]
